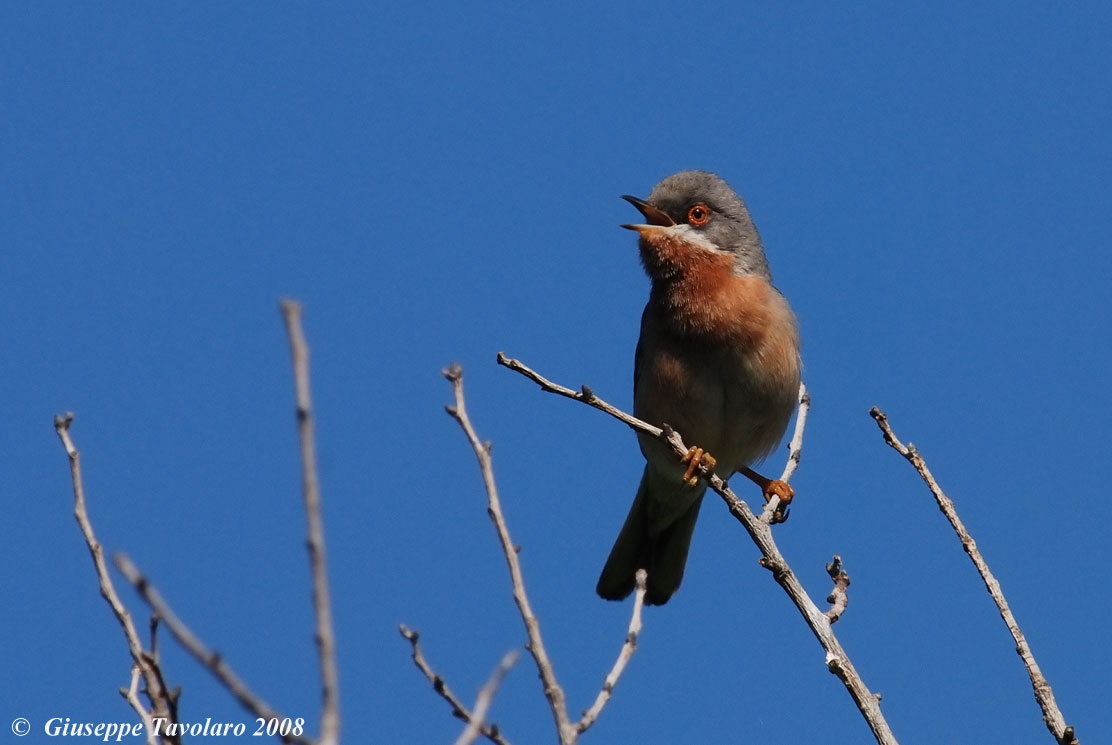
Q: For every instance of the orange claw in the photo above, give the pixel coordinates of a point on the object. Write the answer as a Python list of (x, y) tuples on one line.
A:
[(696, 457), (770, 487), (778, 488)]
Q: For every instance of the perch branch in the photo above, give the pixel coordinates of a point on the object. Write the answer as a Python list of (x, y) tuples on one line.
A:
[(837, 660), (322, 605), (210, 659), (161, 699), (772, 513), (624, 655), (795, 447), (1052, 715), (486, 696), (552, 690)]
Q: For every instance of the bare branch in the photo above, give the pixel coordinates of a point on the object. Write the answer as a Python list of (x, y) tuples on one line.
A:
[(490, 731), (795, 447), (153, 625), (838, 596), (568, 731), (772, 513), (131, 693), (585, 395), (162, 701), (1052, 715), (322, 605), (193, 644), (552, 690), (624, 655), (486, 696), (837, 660)]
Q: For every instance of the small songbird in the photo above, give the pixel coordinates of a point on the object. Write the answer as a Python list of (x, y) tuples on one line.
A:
[(717, 360)]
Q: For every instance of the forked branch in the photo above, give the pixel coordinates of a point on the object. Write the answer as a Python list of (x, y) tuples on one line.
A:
[(162, 700), (212, 660), (552, 690), (459, 709), (146, 663), (567, 730), (486, 696)]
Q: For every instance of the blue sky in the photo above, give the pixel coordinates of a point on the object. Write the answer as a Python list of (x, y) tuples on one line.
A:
[(440, 182)]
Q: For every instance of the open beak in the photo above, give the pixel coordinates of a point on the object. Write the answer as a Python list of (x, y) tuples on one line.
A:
[(652, 215)]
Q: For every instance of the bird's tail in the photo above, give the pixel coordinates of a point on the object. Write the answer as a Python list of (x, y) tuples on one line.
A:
[(661, 550)]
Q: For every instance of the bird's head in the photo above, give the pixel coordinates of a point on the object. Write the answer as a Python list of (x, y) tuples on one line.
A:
[(695, 215)]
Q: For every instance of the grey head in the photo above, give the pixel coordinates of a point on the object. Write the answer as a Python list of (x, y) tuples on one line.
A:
[(726, 225)]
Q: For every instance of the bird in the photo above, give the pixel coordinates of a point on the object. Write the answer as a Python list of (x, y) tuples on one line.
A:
[(717, 360)]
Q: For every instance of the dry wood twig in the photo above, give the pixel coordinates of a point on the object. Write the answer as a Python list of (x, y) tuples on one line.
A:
[(567, 730), (772, 513), (552, 690), (162, 700), (210, 659), (795, 447), (838, 597), (459, 710), (486, 697), (624, 655), (324, 636), (760, 532), (1052, 715), (131, 693)]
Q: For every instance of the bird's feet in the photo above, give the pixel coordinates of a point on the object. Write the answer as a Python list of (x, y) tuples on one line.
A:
[(770, 487), (778, 488), (697, 457)]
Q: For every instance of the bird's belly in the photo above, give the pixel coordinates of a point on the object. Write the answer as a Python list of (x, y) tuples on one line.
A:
[(733, 405)]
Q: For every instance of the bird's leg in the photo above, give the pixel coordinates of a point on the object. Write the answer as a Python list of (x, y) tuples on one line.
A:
[(770, 487), (696, 457)]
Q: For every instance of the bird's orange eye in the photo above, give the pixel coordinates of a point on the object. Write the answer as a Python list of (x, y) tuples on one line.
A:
[(698, 215)]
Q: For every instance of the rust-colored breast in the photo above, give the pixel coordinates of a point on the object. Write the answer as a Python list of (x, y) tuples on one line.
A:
[(719, 358), (703, 298)]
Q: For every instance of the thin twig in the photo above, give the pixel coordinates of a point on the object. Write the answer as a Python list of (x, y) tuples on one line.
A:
[(161, 699), (795, 447), (568, 731), (486, 697), (131, 693), (322, 605), (155, 657), (624, 655), (210, 659), (772, 513), (838, 597), (153, 625), (459, 710), (552, 690), (837, 660), (585, 395), (1052, 715)]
